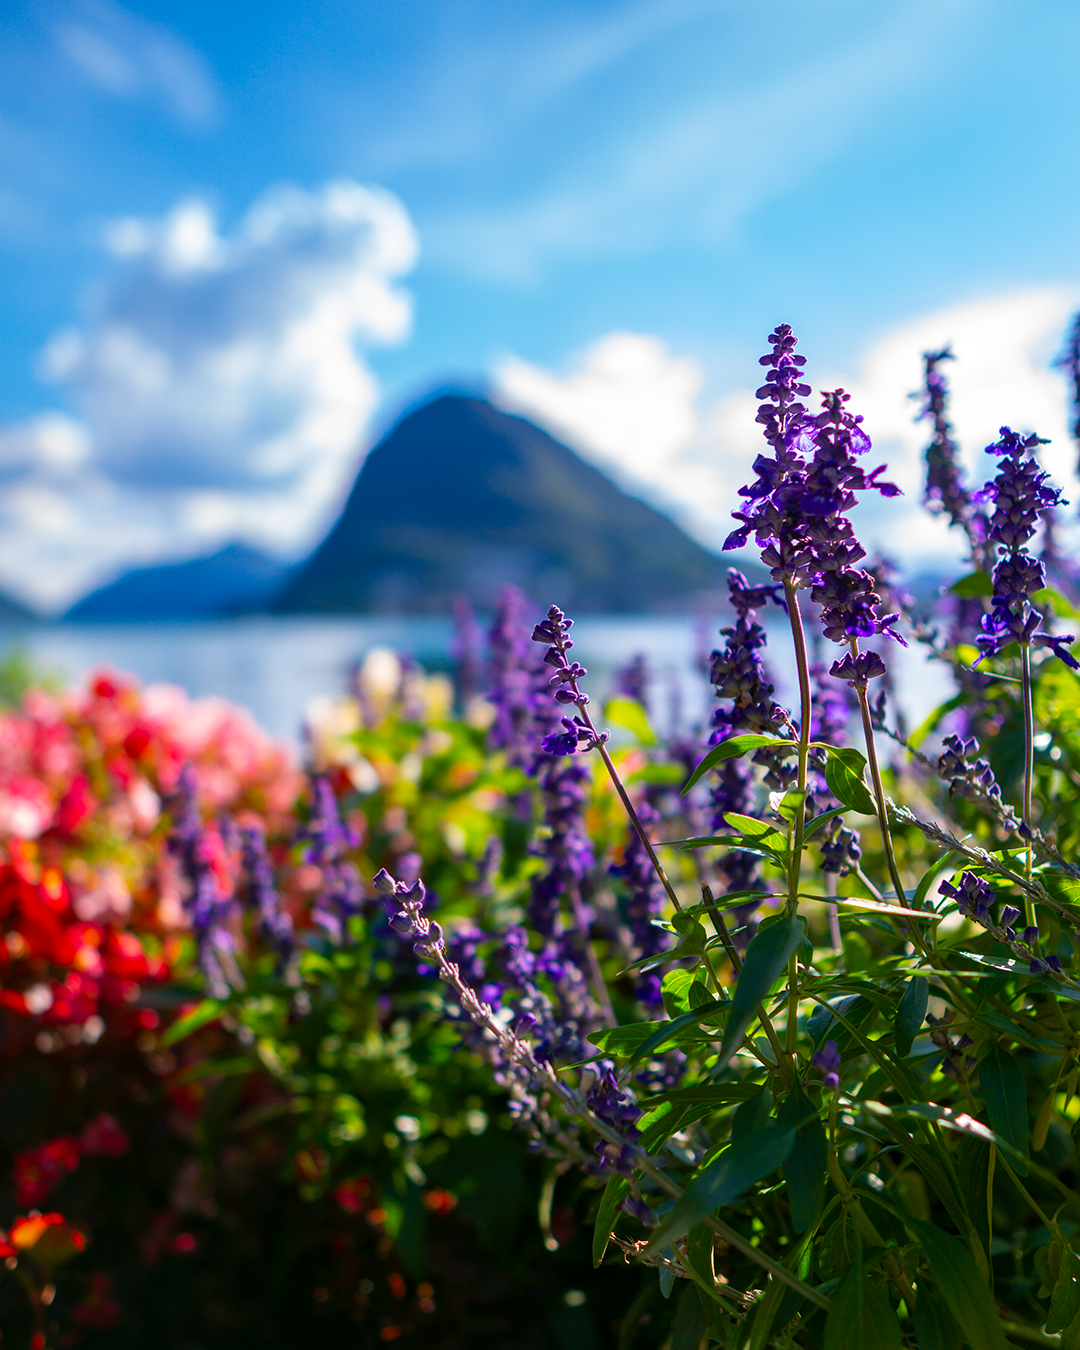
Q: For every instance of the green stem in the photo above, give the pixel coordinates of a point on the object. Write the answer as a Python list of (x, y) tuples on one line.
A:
[(786, 1070), (798, 638), (806, 710), (1029, 762)]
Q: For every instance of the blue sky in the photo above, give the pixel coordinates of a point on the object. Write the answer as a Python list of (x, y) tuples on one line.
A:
[(687, 172)]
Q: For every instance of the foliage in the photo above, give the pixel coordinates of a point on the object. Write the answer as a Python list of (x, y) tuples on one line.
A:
[(783, 1027)]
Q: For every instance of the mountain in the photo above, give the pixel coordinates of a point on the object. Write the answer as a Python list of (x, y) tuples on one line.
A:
[(460, 498), (235, 580)]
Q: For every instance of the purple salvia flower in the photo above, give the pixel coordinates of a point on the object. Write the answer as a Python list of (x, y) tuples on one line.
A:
[(969, 777), (739, 676), (975, 899), (528, 1079), (274, 920), (465, 648), (827, 1059), (773, 514), (207, 907), (840, 846), (555, 629), (327, 842), (1020, 497), (973, 896), (607, 1100), (513, 679), (645, 903), (945, 491), (848, 596)]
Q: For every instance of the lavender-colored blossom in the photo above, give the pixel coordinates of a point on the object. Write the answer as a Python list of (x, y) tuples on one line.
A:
[(554, 628), (747, 705), (274, 920), (513, 679), (326, 842), (1020, 496), (945, 490), (969, 777), (975, 898), (207, 907), (827, 1059), (738, 674), (840, 846), (645, 902), (607, 1100), (798, 504), (465, 648), (773, 514), (851, 604)]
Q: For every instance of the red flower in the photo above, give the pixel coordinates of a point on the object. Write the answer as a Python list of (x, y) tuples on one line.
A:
[(37, 1171), (105, 1137)]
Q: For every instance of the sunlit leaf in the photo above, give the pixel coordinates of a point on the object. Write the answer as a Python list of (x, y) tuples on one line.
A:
[(733, 748)]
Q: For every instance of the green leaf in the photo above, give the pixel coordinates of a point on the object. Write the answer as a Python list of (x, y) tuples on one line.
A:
[(935, 1326), (860, 1316), (910, 1013), (721, 1094), (792, 804), (844, 775), (624, 1040), (752, 1115), (1065, 1300), (974, 584), (690, 1324), (628, 713), (1048, 596), (1002, 1083), (961, 1285), (614, 1193), (724, 1180), (764, 963), (943, 864), (752, 828), (680, 1031), (733, 748), (805, 1169), (814, 825), (682, 990), (206, 1011)]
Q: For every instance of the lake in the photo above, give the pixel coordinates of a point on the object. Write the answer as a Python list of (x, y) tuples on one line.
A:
[(276, 666)]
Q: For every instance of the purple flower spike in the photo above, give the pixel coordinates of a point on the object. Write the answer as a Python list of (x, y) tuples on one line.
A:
[(945, 490), (827, 1059), (1020, 498), (973, 896), (405, 905)]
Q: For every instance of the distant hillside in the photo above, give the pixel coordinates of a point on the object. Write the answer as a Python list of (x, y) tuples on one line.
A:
[(233, 581), (460, 498), (13, 611)]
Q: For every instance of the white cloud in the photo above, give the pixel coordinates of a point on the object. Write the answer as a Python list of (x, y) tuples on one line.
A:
[(635, 410), (133, 58), (218, 385)]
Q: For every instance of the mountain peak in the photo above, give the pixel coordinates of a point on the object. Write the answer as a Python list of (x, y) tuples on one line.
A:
[(460, 498)]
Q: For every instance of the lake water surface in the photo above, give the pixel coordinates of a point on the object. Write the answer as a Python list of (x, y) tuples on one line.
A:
[(277, 666)]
